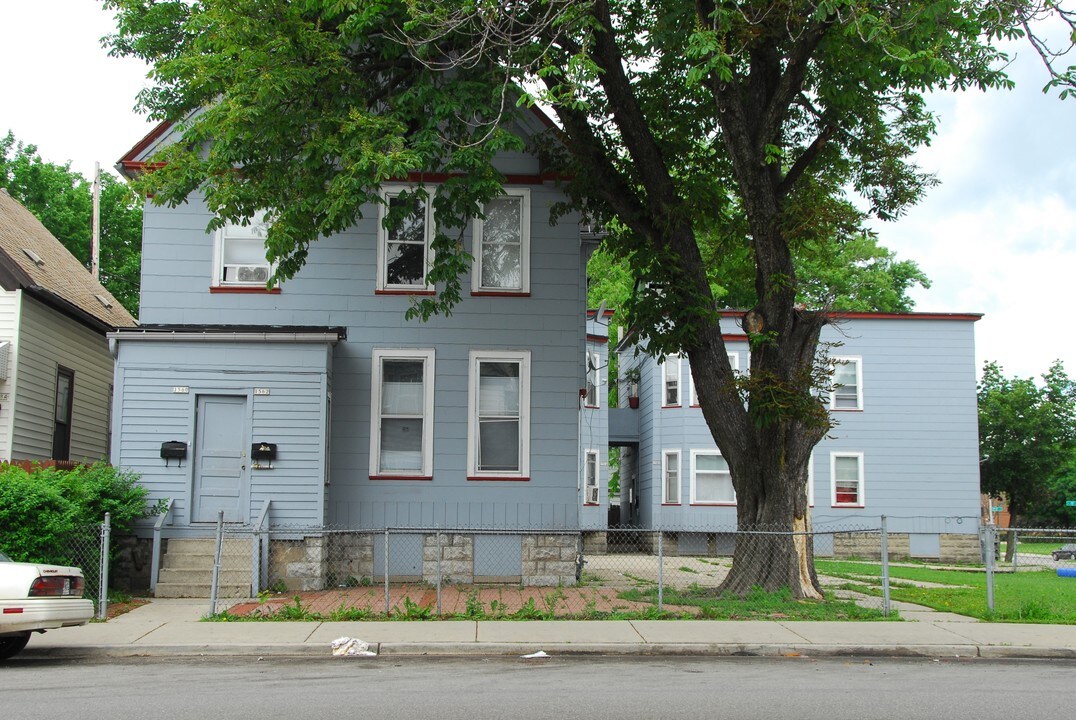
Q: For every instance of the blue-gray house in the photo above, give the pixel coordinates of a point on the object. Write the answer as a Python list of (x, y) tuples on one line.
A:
[(317, 403), (904, 444)]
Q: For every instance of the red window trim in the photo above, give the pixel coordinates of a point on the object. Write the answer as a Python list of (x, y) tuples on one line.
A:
[(241, 290), (405, 292), (592, 504), (424, 478), (499, 478), (668, 407), (592, 407), (500, 293)]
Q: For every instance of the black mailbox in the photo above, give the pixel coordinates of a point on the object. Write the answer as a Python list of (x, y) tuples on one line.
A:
[(173, 450), (263, 451)]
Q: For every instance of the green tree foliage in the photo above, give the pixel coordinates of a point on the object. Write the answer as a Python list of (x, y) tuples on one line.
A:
[(676, 121), (42, 511), (62, 200), (1027, 443)]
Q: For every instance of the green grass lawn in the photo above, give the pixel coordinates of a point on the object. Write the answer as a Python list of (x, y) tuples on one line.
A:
[(758, 605), (1032, 597)]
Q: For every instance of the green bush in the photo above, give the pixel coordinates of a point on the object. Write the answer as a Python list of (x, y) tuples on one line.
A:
[(43, 510)]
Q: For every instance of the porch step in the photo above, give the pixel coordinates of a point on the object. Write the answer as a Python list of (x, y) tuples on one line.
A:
[(187, 568)]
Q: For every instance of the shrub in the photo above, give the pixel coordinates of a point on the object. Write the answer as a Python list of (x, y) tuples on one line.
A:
[(42, 511)]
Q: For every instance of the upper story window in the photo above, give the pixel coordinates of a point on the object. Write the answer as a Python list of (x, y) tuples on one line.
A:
[(671, 381), (404, 253), (499, 415), (401, 438), (711, 479), (670, 473), (502, 244), (734, 361), (846, 475), (847, 392), (593, 379), (240, 254)]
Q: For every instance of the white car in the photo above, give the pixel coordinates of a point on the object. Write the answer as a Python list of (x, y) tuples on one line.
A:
[(36, 597)]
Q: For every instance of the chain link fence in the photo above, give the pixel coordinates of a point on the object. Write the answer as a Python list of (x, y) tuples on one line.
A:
[(88, 547)]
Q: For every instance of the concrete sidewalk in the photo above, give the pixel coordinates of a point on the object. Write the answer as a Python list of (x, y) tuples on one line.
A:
[(173, 628)]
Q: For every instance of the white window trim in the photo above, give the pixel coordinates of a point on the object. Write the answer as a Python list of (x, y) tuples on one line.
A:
[(664, 477), (380, 354), (663, 378), (524, 248), (523, 357), (734, 361), (694, 467), (595, 358), (833, 479), (587, 485), (218, 257), (387, 193), (858, 361)]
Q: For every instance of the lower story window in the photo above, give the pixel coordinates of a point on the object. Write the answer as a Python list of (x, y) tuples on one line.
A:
[(847, 477), (402, 395), (711, 480), (499, 414), (590, 477), (670, 489)]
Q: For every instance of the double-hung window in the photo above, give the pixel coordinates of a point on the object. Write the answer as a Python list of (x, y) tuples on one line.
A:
[(240, 254), (590, 477), (670, 473), (405, 232), (402, 413), (670, 377), (502, 245), (734, 361), (61, 433), (711, 480), (593, 380), (499, 415), (846, 471), (847, 392)]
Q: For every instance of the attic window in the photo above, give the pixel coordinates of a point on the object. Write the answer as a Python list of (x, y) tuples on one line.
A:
[(104, 301), (34, 257)]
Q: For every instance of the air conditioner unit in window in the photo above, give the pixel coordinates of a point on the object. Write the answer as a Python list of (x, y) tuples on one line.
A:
[(251, 273), (592, 495)]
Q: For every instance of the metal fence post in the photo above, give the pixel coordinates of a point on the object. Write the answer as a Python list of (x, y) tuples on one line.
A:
[(102, 579), (214, 586), (989, 532), (886, 606), (661, 570), (386, 571), (1015, 549), (437, 532)]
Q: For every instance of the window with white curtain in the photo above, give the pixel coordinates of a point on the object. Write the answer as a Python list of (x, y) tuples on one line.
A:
[(502, 244), (671, 381), (499, 410), (847, 393), (402, 413), (711, 480), (670, 472), (590, 477), (240, 254), (846, 474)]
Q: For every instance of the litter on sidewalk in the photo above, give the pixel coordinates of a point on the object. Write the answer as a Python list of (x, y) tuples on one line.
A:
[(345, 646)]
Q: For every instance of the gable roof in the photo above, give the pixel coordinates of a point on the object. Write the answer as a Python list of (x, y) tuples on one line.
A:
[(32, 259)]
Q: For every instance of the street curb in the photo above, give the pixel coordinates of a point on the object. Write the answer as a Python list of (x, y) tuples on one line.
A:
[(402, 650)]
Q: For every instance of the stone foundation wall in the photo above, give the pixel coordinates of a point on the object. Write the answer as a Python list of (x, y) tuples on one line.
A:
[(351, 560), (595, 543), (960, 548), (301, 564), (869, 546), (457, 558), (549, 560)]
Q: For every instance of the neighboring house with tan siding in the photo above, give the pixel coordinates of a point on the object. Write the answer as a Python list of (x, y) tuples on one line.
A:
[(55, 364)]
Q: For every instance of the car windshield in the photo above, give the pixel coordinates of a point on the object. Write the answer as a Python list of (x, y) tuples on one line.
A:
[(4, 558)]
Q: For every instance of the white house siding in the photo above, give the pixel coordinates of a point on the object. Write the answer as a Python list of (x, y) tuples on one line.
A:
[(9, 332), (336, 289), (48, 339)]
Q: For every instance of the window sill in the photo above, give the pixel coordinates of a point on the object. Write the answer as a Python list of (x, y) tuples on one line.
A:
[(403, 291), (592, 407), (670, 407), (665, 504), (847, 505), (714, 504), (243, 290), (500, 478), (500, 293), (592, 504), (424, 478), (833, 409)]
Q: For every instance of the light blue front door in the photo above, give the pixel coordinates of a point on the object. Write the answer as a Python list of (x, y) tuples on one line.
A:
[(220, 459)]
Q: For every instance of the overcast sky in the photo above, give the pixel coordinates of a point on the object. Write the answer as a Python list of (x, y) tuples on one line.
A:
[(998, 236)]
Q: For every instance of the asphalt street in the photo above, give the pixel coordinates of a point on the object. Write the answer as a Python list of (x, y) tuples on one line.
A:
[(578, 687)]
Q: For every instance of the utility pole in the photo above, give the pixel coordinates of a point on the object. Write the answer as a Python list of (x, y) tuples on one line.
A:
[(95, 241)]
